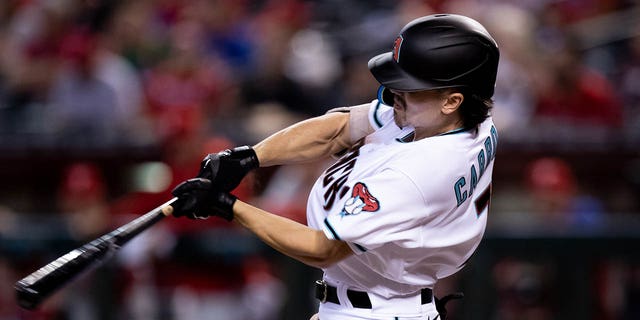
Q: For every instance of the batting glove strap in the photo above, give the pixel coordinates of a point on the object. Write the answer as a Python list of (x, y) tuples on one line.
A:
[(246, 157), (223, 205), (227, 168)]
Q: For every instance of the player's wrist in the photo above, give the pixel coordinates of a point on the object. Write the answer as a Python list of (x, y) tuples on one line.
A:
[(246, 157), (222, 205)]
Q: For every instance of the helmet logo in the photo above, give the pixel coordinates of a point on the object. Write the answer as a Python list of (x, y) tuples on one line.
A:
[(396, 48)]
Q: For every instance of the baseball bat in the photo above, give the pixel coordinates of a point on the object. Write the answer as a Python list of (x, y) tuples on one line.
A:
[(33, 289)]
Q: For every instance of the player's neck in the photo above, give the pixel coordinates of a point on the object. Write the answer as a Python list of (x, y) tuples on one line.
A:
[(446, 127)]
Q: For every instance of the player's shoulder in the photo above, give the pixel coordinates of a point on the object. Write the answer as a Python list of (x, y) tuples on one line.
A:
[(424, 171), (421, 159), (488, 127), (434, 158)]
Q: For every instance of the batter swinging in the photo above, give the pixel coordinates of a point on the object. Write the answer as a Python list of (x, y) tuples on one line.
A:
[(407, 203)]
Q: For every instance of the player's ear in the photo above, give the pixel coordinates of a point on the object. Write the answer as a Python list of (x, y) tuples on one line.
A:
[(452, 101)]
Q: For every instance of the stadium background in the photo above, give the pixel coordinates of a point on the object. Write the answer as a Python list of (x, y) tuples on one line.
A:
[(105, 105)]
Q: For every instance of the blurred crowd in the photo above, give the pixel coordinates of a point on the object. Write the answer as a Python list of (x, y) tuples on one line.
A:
[(113, 73), (106, 105)]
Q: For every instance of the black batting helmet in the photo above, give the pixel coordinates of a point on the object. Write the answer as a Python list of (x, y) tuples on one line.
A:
[(440, 51)]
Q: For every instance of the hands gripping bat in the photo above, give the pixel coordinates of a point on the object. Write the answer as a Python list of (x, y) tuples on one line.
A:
[(36, 287)]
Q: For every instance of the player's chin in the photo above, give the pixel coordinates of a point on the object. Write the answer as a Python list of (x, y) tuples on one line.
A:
[(399, 114), (398, 118)]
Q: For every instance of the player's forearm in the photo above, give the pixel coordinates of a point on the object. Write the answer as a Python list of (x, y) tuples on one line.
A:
[(291, 238), (309, 140)]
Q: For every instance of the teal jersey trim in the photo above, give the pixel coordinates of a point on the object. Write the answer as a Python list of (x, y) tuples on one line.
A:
[(361, 248), (333, 232), (375, 116), (454, 131)]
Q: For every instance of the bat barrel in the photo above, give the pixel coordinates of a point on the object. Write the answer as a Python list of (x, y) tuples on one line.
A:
[(33, 289)]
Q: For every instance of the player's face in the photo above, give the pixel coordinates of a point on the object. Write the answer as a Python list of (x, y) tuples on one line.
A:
[(428, 111), (418, 108)]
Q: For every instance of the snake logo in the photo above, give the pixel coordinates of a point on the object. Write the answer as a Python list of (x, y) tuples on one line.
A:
[(361, 200)]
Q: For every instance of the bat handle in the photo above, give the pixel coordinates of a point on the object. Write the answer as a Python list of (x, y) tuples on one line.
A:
[(123, 235), (167, 208)]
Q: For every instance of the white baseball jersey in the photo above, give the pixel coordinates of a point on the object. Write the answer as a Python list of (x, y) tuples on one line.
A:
[(412, 211)]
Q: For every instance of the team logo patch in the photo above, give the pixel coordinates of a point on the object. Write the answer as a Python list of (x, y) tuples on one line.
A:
[(361, 200), (396, 48)]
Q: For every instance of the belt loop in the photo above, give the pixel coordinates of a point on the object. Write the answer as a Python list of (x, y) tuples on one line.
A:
[(323, 293)]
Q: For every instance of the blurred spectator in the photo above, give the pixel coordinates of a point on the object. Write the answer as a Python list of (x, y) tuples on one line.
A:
[(83, 203), (529, 286), (182, 90), (126, 81), (139, 31), (359, 84), (576, 95), (630, 87), (525, 290), (576, 105), (229, 34), (8, 264), (513, 28), (556, 196), (83, 200), (278, 77), (617, 283), (8, 309), (549, 198), (29, 61), (82, 109)]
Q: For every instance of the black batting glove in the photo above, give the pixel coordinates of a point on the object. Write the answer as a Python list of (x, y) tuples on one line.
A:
[(198, 199), (227, 168)]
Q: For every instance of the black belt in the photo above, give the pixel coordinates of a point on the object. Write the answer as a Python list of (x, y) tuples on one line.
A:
[(359, 299)]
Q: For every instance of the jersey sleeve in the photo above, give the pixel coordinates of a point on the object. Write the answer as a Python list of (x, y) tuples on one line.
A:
[(380, 209)]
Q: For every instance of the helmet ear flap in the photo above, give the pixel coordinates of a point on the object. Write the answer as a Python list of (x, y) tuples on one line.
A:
[(385, 95)]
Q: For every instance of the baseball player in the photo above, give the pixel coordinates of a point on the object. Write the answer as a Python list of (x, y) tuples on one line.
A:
[(406, 202)]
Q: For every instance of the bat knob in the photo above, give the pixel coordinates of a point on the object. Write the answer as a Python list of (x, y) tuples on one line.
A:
[(167, 210), (27, 297)]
